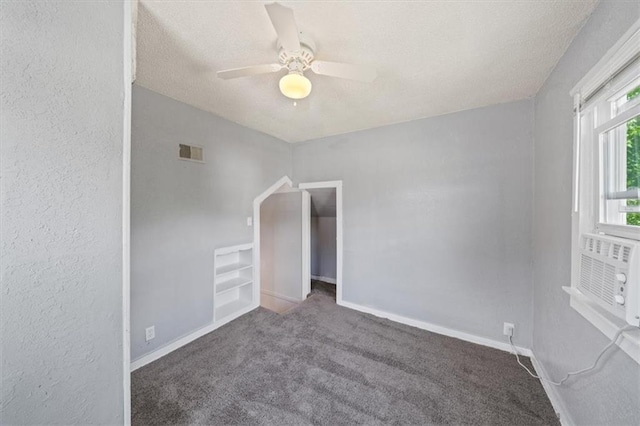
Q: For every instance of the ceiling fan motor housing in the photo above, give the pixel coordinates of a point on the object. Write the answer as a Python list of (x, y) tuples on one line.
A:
[(299, 60), (296, 54)]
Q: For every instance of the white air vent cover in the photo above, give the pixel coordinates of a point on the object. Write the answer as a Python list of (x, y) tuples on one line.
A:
[(191, 152), (609, 274)]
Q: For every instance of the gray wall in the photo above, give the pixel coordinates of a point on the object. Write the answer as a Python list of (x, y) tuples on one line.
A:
[(323, 246), (563, 340), (437, 216), (181, 211), (280, 243), (62, 145)]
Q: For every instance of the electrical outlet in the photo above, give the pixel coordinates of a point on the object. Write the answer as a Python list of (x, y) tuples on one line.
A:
[(508, 328), (249, 221), (150, 333)]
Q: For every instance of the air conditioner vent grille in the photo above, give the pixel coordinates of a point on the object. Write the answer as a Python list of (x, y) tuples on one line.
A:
[(614, 251), (585, 272), (598, 278), (608, 284), (608, 275)]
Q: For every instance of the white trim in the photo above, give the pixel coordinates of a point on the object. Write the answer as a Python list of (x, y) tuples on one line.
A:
[(233, 249), (134, 38), (629, 232), (325, 279), (619, 119), (233, 316), (484, 341), (337, 184), (629, 341), (164, 350), (306, 244), (126, 212), (182, 341), (620, 54), (281, 296), (577, 127), (552, 393), (283, 181)]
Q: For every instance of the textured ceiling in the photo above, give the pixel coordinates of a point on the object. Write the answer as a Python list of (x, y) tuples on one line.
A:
[(432, 58)]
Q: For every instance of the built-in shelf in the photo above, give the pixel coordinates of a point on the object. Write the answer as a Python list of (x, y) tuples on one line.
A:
[(234, 267), (231, 308), (232, 282)]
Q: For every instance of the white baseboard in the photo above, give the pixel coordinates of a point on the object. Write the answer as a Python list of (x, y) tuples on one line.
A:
[(280, 296), (176, 344), (554, 396), (551, 391), (325, 279), (557, 403), (503, 346)]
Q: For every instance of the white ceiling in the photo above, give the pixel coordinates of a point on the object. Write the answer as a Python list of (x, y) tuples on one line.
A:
[(432, 58)]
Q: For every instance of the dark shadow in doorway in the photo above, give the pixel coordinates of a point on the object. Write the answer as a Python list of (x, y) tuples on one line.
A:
[(323, 288)]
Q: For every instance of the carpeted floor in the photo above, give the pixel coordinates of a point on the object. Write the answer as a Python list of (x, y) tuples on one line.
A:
[(323, 364)]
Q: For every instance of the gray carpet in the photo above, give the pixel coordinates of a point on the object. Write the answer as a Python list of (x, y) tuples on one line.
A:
[(323, 364)]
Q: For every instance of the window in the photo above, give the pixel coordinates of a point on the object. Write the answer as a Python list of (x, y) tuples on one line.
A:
[(620, 166), (606, 205), (607, 163)]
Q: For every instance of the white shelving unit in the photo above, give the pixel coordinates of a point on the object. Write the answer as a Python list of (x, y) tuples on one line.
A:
[(232, 283)]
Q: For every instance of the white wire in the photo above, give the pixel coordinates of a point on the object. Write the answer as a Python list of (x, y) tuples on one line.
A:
[(572, 373)]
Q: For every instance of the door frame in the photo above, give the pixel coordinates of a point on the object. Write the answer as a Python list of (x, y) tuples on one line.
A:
[(306, 244), (128, 62), (306, 236)]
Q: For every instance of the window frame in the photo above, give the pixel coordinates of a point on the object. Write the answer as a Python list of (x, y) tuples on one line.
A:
[(599, 138), (593, 96)]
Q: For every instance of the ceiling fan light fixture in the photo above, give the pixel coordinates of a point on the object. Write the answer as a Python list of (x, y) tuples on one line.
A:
[(295, 85)]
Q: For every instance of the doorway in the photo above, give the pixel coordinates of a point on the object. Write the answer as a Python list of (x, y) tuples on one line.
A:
[(322, 239), (322, 228)]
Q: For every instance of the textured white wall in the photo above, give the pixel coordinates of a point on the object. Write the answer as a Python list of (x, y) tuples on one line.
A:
[(437, 216), (62, 139), (562, 339), (280, 243), (323, 246), (182, 211)]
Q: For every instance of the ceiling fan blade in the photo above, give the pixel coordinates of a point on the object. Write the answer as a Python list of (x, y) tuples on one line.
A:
[(285, 26), (337, 69), (248, 71)]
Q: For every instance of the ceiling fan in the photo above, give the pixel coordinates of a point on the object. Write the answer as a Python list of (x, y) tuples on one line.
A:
[(296, 54)]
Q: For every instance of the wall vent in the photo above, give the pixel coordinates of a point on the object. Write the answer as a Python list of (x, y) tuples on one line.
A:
[(191, 152)]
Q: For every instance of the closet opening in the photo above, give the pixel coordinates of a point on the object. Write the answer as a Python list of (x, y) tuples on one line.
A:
[(322, 241)]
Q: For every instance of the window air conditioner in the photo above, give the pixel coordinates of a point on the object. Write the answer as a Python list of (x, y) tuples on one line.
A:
[(610, 274)]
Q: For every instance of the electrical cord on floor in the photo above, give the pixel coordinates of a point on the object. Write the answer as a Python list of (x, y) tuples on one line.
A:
[(572, 373)]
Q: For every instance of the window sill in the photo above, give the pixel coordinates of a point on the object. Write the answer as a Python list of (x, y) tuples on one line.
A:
[(620, 231), (629, 341)]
